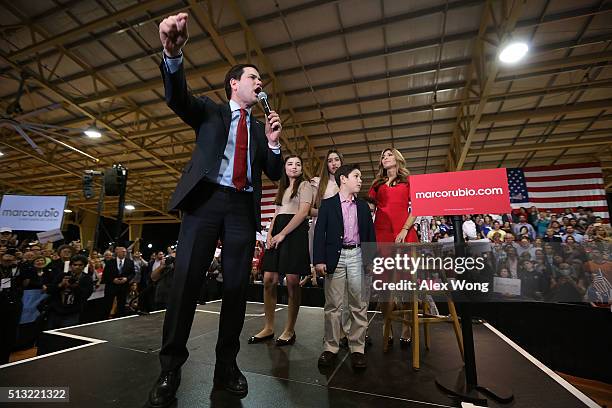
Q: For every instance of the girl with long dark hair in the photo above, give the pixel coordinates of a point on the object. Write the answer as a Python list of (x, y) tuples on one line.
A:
[(324, 186), (287, 249)]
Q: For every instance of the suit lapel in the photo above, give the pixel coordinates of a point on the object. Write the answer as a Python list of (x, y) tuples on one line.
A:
[(226, 115), (339, 211)]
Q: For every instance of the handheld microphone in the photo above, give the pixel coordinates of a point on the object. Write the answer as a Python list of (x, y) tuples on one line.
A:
[(263, 99)]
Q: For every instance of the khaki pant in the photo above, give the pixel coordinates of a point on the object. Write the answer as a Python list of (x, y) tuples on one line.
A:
[(348, 279)]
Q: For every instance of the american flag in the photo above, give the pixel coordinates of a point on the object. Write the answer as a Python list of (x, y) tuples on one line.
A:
[(559, 187), (267, 205)]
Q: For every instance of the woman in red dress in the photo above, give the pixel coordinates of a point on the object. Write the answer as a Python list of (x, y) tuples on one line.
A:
[(394, 223)]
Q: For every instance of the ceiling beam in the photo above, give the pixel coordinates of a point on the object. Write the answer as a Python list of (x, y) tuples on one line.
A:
[(84, 29), (551, 145), (401, 18), (312, 161), (469, 120), (402, 127), (407, 92), (67, 99), (74, 173)]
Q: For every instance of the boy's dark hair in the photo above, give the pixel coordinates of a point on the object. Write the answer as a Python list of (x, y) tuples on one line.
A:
[(344, 170), (235, 72), (81, 258)]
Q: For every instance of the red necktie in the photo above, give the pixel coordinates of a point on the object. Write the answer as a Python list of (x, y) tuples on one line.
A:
[(239, 178)]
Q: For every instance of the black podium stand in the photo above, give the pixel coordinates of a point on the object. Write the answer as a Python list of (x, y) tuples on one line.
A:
[(463, 384)]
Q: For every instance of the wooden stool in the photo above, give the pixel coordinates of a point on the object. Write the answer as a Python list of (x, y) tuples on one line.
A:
[(415, 317)]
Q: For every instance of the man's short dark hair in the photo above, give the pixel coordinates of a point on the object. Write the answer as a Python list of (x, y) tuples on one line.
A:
[(64, 246), (345, 170), (79, 258), (235, 72)]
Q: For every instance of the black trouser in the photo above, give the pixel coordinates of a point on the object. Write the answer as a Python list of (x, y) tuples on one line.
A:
[(10, 312), (120, 292), (221, 214)]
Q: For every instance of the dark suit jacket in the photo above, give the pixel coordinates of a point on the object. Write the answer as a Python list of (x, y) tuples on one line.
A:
[(329, 232), (111, 271), (211, 122)]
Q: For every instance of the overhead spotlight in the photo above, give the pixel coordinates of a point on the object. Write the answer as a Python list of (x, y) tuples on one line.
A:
[(93, 131), (67, 210), (513, 52), (130, 207), (150, 246), (1, 154)]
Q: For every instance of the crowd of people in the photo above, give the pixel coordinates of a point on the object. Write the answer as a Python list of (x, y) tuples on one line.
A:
[(561, 257), (48, 288)]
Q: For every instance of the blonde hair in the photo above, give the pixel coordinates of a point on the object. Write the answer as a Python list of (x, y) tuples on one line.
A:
[(402, 171)]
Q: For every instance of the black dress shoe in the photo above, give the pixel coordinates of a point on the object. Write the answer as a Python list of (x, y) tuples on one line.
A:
[(326, 359), (163, 393), (358, 360), (282, 342), (255, 339), (405, 343), (229, 378)]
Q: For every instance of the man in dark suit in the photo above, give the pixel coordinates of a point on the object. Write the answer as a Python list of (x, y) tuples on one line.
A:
[(219, 194), (117, 276), (343, 224)]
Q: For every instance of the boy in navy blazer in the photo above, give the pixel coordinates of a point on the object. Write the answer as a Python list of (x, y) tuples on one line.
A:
[(343, 224)]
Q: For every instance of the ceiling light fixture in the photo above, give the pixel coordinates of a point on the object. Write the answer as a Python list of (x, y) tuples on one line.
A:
[(513, 52), (130, 207), (93, 131)]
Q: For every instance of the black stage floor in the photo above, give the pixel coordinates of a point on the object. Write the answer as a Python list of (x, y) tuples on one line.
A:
[(114, 363)]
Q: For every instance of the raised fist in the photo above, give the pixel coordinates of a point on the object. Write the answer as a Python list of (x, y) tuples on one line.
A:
[(173, 33)]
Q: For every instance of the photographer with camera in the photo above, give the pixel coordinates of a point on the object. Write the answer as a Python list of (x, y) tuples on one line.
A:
[(68, 294), (117, 276), (61, 265)]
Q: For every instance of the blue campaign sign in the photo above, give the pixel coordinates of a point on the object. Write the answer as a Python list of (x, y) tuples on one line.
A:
[(31, 299)]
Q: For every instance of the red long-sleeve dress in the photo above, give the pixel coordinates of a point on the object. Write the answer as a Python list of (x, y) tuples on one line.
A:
[(392, 211)]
